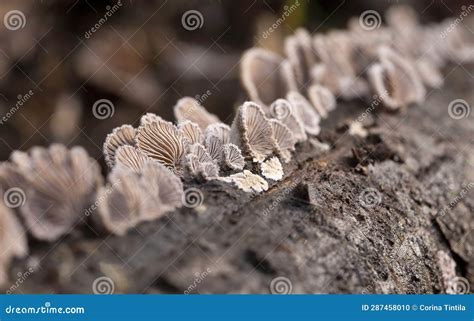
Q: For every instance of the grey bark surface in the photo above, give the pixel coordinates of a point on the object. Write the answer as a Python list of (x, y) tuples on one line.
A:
[(312, 227)]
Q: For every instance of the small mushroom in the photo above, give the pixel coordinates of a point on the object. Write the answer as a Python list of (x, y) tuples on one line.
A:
[(120, 136), (298, 48), (322, 99), (282, 110), (59, 187), (13, 242), (200, 163), (396, 80), (264, 76), (272, 169), (305, 112), (188, 108), (131, 157), (219, 130), (247, 181), (162, 141), (191, 132), (284, 138), (133, 197), (232, 157), (251, 131)]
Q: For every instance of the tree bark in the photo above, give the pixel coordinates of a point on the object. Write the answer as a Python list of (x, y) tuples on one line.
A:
[(388, 213)]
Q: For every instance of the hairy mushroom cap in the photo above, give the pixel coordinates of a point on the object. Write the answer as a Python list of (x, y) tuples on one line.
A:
[(131, 157), (219, 130), (191, 132), (272, 169), (305, 112), (162, 141), (120, 136), (282, 110), (263, 75), (232, 157), (214, 147), (188, 108), (252, 132), (150, 118), (285, 141), (247, 181), (59, 186), (322, 99), (12, 240), (134, 197)]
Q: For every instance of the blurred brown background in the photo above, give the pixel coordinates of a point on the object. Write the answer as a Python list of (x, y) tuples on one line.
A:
[(141, 59)]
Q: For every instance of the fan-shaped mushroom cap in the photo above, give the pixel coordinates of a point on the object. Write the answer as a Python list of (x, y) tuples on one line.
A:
[(188, 108), (200, 163), (282, 110), (395, 80), (305, 112), (162, 141), (298, 48), (322, 99), (191, 132), (214, 147), (59, 186), (150, 118), (134, 197), (272, 169), (232, 157), (284, 138), (247, 181), (252, 132), (120, 136), (219, 130), (131, 157), (12, 240), (264, 76)]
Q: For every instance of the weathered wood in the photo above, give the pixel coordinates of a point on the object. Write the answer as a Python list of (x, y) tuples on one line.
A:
[(313, 227)]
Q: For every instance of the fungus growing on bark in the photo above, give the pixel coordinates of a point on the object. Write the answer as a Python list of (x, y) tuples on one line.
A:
[(252, 132), (120, 136), (191, 132), (131, 157), (12, 240), (282, 110), (247, 181), (59, 187), (200, 164), (188, 108), (232, 157), (162, 141), (272, 169), (305, 112), (133, 197)]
